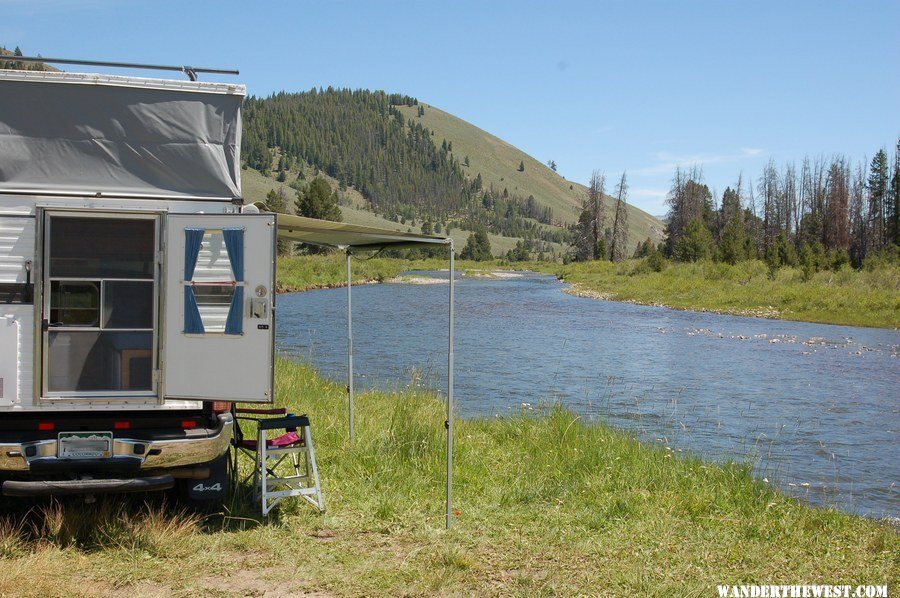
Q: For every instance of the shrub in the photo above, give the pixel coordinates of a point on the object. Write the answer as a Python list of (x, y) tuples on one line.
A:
[(881, 260), (656, 262)]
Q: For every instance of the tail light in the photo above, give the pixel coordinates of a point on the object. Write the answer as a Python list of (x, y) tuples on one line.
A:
[(221, 407)]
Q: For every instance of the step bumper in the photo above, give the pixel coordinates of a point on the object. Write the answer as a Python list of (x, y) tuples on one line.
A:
[(75, 487), (129, 454)]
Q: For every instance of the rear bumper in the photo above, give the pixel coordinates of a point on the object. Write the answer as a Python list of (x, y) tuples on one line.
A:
[(129, 454), (72, 487)]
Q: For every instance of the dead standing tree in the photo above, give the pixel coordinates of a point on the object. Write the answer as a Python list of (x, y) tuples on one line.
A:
[(589, 230), (598, 209), (837, 198), (619, 246)]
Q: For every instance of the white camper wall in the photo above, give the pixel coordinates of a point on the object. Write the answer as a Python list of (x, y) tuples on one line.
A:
[(16, 321), (17, 244)]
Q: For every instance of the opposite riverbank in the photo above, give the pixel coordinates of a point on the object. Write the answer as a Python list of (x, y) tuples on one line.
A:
[(846, 297), (544, 504)]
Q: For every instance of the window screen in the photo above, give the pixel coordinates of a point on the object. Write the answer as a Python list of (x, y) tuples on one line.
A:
[(101, 304)]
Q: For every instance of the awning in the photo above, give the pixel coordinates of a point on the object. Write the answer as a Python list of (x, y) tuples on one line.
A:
[(349, 236)]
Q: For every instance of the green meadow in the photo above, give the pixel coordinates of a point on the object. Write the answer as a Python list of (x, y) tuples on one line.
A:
[(545, 504)]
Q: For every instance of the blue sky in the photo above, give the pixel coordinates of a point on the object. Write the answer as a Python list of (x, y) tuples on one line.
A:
[(636, 86)]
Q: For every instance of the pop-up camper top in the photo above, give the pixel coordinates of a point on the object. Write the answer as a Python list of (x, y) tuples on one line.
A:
[(136, 291)]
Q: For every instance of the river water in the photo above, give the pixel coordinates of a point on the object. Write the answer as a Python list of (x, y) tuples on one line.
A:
[(815, 408)]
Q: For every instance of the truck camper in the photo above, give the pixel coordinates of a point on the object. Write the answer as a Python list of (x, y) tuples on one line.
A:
[(136, 289)]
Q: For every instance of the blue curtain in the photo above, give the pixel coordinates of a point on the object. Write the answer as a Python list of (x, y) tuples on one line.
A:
[(234, 244), (193, 238)]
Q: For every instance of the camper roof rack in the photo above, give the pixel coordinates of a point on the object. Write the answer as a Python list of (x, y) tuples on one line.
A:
[(190, 71)]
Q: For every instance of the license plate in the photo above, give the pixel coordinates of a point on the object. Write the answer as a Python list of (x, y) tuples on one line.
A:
[(85, 445)]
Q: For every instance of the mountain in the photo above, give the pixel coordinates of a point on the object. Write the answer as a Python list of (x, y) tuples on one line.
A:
[(498, 163), (414, 165)]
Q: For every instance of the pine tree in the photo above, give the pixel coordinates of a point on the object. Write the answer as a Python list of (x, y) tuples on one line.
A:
[(734, 241), (276, 202), (478, 247), (688, 199), (695, 244), (893, 212), (521, 166), (318, 201), (878, 186)]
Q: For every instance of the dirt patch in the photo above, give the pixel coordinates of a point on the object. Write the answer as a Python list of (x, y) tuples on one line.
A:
[(767, 311), (265, 582), (418, 280)]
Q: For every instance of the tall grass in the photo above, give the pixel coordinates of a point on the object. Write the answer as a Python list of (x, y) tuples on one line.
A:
[(869, 297), (545, 503), (301, 273)]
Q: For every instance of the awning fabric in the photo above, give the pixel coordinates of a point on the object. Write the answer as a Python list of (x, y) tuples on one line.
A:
[(352, 236), (77, 134)]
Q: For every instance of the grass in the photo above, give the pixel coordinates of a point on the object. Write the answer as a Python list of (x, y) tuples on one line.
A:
[(302, 273), (545, 504), (307, 272), (848, 297)]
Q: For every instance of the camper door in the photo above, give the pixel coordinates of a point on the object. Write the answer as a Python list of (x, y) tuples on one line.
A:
[(219, 324)]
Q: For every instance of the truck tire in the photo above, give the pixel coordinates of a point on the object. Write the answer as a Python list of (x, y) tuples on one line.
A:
[(207, 495)]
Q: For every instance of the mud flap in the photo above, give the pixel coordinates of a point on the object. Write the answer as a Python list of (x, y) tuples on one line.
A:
[(212, 489)]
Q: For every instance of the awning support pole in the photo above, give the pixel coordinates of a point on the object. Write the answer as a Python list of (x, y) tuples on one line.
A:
[(450, 399), (350, 347)]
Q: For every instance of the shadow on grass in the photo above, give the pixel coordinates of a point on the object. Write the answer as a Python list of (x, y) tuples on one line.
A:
[(153, 522)]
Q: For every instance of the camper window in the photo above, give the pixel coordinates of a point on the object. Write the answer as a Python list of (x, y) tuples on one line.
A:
[(216, 283)]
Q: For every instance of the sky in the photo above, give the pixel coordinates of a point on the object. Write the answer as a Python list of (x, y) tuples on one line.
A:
[(616, 86)]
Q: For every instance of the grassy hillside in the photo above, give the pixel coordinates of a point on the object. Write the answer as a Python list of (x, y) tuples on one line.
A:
[(22, 66), (498, 163), (255, 186), (545, 505)]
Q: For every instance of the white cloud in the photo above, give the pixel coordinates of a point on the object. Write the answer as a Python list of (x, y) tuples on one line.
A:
[(666, 162), (647, 193)]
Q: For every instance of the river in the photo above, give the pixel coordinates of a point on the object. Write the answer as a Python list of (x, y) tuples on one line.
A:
[(815, 408)]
